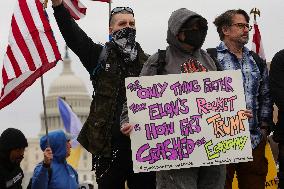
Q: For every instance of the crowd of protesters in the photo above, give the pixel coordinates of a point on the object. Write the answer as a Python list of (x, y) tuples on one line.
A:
[(105, 134)]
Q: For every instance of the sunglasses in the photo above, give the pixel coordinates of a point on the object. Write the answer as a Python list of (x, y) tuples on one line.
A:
[(120, 9)]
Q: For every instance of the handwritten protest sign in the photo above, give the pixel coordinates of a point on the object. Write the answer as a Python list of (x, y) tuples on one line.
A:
[(187, 120)]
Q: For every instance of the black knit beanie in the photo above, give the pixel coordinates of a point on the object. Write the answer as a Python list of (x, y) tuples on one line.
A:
[(13, 138)]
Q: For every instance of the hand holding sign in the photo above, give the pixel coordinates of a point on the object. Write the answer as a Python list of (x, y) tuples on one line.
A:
[(126, 129)]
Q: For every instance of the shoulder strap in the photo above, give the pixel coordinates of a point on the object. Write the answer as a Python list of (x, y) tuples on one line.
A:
[(259, 62), (213, 54), (100, 63), (100, 66), (161, 61)]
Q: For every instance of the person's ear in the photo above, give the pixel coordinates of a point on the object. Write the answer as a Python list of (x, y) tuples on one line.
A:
[(110, 29), (225, 30)]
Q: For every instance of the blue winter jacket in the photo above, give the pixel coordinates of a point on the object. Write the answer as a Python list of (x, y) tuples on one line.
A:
[(63, 176)]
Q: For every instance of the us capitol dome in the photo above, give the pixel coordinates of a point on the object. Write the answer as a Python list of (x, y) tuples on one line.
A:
[(73, 90)]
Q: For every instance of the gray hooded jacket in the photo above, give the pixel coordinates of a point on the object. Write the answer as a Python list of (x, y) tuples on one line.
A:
[(212, 177), (176, 55)]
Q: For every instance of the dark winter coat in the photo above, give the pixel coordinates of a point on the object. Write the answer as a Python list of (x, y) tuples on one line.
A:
[(101, 131), (11, 175)]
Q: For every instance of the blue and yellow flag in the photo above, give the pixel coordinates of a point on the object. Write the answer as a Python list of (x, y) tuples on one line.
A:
[(72, 125)]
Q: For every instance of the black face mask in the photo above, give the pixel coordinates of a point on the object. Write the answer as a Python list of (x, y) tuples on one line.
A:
[(125, 37), (194, 38), (125, 42)]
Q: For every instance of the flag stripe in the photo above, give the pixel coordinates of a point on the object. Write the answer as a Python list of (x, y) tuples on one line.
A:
[(8, 68), (76, 9), (33, 30), (22, 44), (32, 50), (10, 96), (39, 17), (42, 36), (107, 1), (43, 16), (28, 38), (4, 77), (256, 38), (256, 42), (18, 55), (73, 11), (79, 6), (13, 61)]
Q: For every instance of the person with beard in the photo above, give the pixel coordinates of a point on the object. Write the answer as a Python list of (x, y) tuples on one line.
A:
[(12, 148), (186, 34), (108, 67), (233, 28)]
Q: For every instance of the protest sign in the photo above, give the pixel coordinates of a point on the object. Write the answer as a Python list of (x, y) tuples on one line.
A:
[(187, 120)]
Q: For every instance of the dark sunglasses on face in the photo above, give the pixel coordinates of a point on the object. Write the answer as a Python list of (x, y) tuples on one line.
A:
[(242, 26), (120, 9)]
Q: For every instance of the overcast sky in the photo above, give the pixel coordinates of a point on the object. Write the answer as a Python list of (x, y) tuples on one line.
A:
[(151, 23)]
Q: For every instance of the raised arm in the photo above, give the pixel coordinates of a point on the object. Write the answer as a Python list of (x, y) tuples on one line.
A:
[(75, 38)]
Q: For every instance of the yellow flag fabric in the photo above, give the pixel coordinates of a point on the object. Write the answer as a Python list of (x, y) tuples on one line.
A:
[(74, 158), (271, 178)]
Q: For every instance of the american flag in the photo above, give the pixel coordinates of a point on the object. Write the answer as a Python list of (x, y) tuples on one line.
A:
[(31, 51), (256, 41), (107, 1), (76, 8)]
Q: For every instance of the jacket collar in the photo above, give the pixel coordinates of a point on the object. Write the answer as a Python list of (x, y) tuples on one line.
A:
[(224, 49)]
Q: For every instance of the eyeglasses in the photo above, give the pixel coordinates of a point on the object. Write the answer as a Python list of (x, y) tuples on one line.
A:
[(242, 26), (120, 9)]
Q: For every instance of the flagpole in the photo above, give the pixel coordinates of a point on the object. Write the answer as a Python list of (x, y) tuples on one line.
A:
[(44, 110), (109, 9), (43, 95), (109, 16)]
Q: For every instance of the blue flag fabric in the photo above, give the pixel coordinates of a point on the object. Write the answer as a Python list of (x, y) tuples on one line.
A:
[(71, 122)]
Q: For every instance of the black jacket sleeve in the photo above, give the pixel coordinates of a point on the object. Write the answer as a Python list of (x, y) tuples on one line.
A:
[(76, 39), (277, 79)]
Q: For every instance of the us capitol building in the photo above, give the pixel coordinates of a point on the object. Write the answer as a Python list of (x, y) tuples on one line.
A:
[(72, 88)]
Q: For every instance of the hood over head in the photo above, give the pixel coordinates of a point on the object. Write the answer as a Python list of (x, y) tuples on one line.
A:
[(183, 18), (57, 141)]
